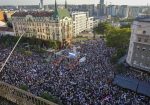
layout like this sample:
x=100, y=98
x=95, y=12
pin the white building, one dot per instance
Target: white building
x=134, y=11
x=96, y=22
x=81, y=22
x=139, y=49
x=90, y=23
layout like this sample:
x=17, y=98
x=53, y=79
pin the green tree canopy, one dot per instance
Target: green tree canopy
x=103, y=28
x=118, y=38
x=24, y=87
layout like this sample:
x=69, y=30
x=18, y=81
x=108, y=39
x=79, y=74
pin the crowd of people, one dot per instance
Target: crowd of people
x=73, y=82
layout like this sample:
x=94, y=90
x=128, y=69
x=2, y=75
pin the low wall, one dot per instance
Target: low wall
x=21, y=97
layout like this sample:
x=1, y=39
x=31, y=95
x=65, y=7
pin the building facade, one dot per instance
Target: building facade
x=112, y=10
x=81, y=22
x=1, y=16
x=123, y=11
x=54, y=25
x=139, y=49
x=90, y=23
x=134, y=11
x=84, y=8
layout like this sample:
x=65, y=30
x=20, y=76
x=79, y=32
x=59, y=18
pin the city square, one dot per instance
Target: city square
x=74, y=52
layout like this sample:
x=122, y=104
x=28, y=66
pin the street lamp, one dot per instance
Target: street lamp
x=3, y=65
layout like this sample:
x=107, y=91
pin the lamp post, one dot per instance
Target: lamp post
x=3, y=65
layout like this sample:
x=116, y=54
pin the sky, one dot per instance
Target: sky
x=36, y=2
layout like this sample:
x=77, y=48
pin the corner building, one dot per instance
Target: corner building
x=55, y=25
x=139, y=49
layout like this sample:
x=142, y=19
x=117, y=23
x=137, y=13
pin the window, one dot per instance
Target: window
x=139, y=39
x=138, y=47
x=146, y=40
x=142, y=57
x=144, y=49
x=144, y=32
x=135, y=62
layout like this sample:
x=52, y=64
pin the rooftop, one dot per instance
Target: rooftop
x=34, y=14
x=61, y=13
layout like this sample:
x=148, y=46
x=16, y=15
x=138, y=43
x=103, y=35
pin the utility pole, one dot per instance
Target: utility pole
x=3, y=65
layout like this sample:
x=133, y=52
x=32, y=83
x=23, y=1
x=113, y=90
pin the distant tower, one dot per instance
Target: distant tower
x=41, y=4
x=102, y=8
x=101, y=1
x=66, y=6
x=56, y=11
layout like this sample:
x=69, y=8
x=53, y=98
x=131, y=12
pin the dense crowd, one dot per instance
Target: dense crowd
x=74, y=83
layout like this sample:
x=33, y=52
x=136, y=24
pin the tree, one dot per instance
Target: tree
x=103, y=28
x=24, y=87
x=119, y=39
x=126, y=26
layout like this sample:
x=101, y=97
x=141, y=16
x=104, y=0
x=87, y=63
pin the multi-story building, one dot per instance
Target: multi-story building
x=90, y=23
x=134, y=11
x=1, y=16
x=81, y=22
x=102, y=8
x=139, y=49
x=84, y=8
x=54, y=25
x=112, y=10
x=123, y=11
x=41, y=4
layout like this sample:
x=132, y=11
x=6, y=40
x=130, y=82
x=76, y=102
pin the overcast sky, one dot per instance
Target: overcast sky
x=117, y=2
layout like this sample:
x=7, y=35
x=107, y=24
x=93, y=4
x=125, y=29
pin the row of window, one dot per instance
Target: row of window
x=41, y=36
x=35, y=24
x=143, y=40
x=34, y=19
x=143, y=48
x=41, y=24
